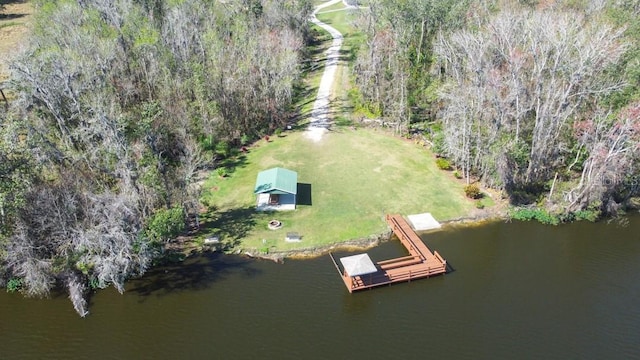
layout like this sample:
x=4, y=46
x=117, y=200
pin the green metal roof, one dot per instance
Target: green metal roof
x=277, y=181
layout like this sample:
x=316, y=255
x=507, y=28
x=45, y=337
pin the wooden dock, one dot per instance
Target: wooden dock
x=420, y=263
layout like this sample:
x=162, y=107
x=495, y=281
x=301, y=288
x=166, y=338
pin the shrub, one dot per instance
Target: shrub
x=14, y=284
x=438, y=142
x=589, y=215
x=207, y=143
x=221, y=171
x=472, y=191
x=457, y=174
x=244, y=139
x=223, y=149
x=165, y=224
x=278, y=132
x=342, y=121
x=479, y=205
x=94, y=283
x=443, y=164
x=84, y=267
x=540, y=215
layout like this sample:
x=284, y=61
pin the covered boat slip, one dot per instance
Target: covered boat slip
x=359, y=272
x=355, y=267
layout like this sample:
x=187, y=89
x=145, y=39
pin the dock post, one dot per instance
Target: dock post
x=335, y=263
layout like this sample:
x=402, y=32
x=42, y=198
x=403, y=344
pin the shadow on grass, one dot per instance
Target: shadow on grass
x=233, y=162
x=303, y=196
x=194, y=273
x=299, y=120
x=11, y=17
x=230, y=226
x=346, y=55
x=304, y=95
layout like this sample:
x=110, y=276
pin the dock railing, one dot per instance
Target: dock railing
x=420, y=263
x=336, y=264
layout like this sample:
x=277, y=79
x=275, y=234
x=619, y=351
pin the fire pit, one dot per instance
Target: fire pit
x=274, y=224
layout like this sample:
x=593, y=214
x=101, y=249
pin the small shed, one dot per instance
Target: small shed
x=276, y=189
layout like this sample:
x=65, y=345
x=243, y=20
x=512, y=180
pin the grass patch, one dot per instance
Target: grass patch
x=340, y=20
x=356, y=177
x=344, y=21
x=9, y=24
x=485, y=202
x=334, y=7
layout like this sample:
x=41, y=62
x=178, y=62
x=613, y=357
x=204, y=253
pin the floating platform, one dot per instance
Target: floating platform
x=359, y=272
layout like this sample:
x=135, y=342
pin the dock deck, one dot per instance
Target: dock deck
x=420, y=263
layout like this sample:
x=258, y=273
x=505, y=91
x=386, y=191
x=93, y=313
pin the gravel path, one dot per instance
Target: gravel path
x=319, y=122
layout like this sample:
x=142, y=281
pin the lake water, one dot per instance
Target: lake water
x=516, y=291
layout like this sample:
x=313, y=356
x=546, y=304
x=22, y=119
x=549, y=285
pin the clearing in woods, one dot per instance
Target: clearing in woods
x=15, y=24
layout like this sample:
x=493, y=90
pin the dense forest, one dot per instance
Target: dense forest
x=118, y=105
x=539, y=99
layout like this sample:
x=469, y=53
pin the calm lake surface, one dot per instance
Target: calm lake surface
x=517, y=291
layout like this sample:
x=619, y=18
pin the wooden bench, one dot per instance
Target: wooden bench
x=390, y=261
x=293, y=237
x=400, y=264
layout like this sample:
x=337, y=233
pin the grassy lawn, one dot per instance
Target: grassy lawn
x=15, y=19
x=344, y=22
x=337, y=6
x=356, y=176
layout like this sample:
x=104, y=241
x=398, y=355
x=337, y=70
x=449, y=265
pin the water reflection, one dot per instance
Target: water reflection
x=197, y=273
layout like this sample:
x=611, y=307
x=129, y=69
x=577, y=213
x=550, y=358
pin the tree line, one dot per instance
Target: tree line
x=540, y=99
x=118, y=105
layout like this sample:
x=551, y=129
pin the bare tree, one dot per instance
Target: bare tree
x=520, y=80
x=613, y=145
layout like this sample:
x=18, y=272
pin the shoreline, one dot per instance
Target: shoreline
x=486, y=217
x=365, y=243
